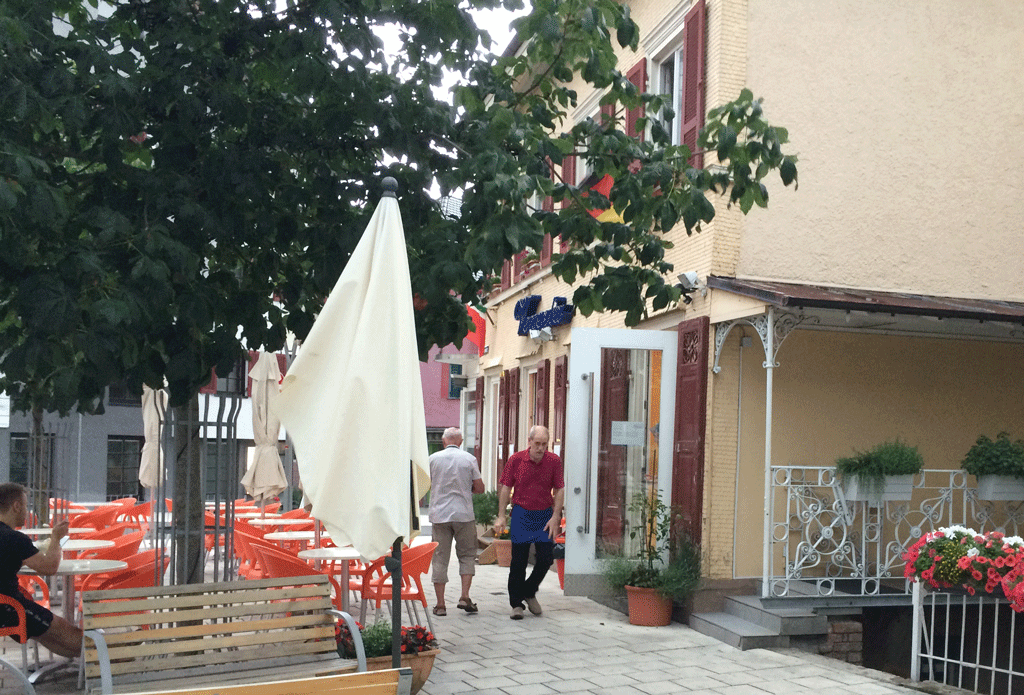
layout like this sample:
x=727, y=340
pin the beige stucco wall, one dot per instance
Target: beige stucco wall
x=906, y=117
x=835, y=393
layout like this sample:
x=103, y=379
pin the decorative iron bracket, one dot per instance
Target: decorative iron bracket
x=780, y=326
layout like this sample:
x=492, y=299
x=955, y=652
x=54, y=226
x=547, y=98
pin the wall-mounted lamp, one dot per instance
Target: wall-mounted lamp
x=689, y=282
x=542, y=335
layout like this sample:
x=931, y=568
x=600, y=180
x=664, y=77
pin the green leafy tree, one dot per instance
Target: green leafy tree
x=182, y=178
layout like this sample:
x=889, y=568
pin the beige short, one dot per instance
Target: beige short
x=464, y=534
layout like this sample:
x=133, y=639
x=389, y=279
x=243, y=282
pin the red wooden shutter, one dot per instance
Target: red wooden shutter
x=540, y=406
x=506, y=275
x=545, y=250
x=560, y=388
x=691, y=419
x=502, y=422
x=569, y=177
x=607, y=114
x=513, y=410
x=478, y=437
x=638, y=76
x=692, y=118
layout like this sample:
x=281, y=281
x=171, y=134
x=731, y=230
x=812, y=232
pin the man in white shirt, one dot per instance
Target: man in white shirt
x=454, y=478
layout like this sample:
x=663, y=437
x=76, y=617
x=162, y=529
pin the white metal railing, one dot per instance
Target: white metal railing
x=819, y=539
x=970, y=642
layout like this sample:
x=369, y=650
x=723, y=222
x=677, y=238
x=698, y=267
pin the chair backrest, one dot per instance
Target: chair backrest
x=125, y=501
x=124, y=546
x=110, y=533
x=416, y=563
x=19, y=631
x=98, y=518
x=131, y=578
x=278, y=563
x=299, y=513
x=36, y=588
x=139, y=515
x=245, y=527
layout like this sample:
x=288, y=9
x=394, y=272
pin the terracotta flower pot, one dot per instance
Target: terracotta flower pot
x=648, y=607
x=421, y=665
x=503, y=546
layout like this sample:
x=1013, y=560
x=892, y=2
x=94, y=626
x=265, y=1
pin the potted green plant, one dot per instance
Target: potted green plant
x=418, y=645
x=999, y=467
x=882, y=474
x=661, y=571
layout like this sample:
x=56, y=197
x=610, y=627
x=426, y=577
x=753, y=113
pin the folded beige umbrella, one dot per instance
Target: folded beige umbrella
x=265, y=478
x=154, y=403
x=352, y=400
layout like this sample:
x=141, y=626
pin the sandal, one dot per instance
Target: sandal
x=467, y=605
x=440, y=610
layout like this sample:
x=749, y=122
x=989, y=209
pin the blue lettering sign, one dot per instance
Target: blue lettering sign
x=525, y=312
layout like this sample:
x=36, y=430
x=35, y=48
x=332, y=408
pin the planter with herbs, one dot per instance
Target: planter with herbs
x=659, y=574
x=999, y=467
x=882, y=474
x=417, y=644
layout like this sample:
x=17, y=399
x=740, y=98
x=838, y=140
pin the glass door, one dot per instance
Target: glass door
x=618, y=443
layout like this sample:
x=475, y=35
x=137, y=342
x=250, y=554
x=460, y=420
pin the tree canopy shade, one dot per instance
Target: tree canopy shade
x=184, y=177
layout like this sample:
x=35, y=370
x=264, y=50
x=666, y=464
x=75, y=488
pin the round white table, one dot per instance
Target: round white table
x=292, y=536
x=79, y=544
x=280, y=522
x=46, y=531
x=344, y=553
x=255, y=515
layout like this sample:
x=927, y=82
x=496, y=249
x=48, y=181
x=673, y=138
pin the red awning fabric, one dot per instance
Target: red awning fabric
x=479, y=336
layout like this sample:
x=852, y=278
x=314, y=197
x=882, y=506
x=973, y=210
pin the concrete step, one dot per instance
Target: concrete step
x=781, y=621
x=737, y=632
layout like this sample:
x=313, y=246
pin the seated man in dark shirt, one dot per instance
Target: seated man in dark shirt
x=53, y=632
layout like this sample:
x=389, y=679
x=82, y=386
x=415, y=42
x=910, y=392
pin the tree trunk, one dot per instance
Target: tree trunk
x=189, y=526
x=40, y=474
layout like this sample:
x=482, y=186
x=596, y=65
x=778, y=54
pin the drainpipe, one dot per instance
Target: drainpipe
x=769, y=365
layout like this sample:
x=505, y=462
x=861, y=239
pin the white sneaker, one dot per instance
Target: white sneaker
x=517, y=613
x=534, y=606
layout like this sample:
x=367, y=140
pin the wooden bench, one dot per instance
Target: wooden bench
x=266, y=636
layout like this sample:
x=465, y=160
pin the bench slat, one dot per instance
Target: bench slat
x=369, y=683
x=198, y=653
x=115, y=639
x=208, y=590
x=116, y=600
x=138, y=619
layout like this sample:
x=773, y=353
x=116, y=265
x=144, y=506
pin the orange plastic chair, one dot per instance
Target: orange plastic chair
x=138, y=516
x=123, y=548
x=125, y=501
x=376, y=583
x=280, y=564
x=98, y=518
x=108, y=534
x=19, y=632
x=295, y=514
x=36, y=588
x=144, y=575
x=253, y=568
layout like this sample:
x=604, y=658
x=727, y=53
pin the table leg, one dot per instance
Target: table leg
x=344, y=585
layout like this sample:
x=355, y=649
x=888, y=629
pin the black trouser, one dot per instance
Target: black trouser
x=519, y=586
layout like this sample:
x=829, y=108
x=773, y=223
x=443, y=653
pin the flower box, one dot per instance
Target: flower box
x=1000, y=488
x=891, y=488
x=421, y=663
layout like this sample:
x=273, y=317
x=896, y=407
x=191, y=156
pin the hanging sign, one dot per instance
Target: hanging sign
x=525, y=312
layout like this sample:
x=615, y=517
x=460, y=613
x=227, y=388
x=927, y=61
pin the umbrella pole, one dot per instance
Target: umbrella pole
x=394, y=565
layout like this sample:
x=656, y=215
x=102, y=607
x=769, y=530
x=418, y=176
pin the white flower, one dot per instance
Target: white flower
x=971, y=552
x=1013, y=540
x=949, y=531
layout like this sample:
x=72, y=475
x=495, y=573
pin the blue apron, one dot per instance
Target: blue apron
x=528, y=525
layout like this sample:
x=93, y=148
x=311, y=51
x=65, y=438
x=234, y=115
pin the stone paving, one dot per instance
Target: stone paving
x=582, y=647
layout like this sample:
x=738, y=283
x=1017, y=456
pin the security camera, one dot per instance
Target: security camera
x=689, y=280
x=541, y=335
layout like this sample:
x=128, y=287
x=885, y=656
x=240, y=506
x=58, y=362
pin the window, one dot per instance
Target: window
x=677, y=68
x=455, y=381
x=118, y=394
x=19, y=459
x=124, y=454
x=21, y=470
x=434, y=443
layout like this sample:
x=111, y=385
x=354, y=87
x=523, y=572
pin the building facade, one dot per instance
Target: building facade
x=884, y=299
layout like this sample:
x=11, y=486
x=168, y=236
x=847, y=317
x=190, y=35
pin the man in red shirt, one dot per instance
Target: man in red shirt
x=534, y=482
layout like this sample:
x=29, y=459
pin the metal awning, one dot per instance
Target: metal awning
x=873, y=310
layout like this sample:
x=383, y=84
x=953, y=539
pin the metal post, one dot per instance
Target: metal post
x=769, y=365
x=915, y=638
